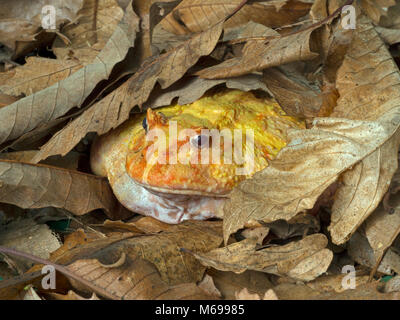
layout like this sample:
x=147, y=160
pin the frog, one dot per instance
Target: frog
x=181, y=162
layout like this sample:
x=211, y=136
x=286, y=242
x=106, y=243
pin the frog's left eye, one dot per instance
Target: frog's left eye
x=144, y=124
x=200, y=140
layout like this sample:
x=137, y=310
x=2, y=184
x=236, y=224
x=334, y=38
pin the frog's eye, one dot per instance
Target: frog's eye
x=144, y=124
x=200, y=141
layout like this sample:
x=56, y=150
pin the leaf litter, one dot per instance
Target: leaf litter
x=283, y=235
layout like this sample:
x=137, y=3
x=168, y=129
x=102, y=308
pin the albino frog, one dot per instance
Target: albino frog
x=181, y=161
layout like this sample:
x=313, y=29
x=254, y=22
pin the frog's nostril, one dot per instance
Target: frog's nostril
x=200, y=141
x=144, y=124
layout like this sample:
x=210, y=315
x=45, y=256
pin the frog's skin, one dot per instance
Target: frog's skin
x=173, y=192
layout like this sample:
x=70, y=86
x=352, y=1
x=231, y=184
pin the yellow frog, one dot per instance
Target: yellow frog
x=180, y=162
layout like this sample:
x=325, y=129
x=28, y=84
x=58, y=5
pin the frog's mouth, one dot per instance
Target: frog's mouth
x=184, y=193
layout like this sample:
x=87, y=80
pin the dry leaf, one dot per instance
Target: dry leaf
x=189, y=90
x=375, y=9
x=51, y=103
x=261, y=54
x=38, y=186
x=298, y=96
x=314, y=158
x=162, y=249
x=71, y=295
x=303, y=260
x=228, y=283
x=365, y=184
x=207, y=284
x=137, y=279
x=37, y=74
x=383, y=226
x=28, y=236
x=96, y=22
x=368, y=291
x=21, y=20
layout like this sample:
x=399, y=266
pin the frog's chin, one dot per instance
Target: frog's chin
x=177, y=194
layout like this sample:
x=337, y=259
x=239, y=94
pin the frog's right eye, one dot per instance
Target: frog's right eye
x=200, y=141
x=144, y=124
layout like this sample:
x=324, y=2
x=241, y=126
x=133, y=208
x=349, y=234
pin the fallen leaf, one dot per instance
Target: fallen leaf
x=364, y=185
x=88, y=35
x=375, y=9
x=189, y=90
x=332, y=146
x=20, y=21
x=303, y=260
x=53, y=102
x=298, y=96
x=197, y=16
x=162, y=249
x=38, y=186
x=137, y=279
x=228, y=283
x=28, y=236
x=37, y=74
x=207, y=284
x=261, y=54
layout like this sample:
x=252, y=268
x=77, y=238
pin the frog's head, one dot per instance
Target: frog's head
x=173, y=153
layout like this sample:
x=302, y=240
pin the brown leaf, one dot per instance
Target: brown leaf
x=207, y=284
x=228, y=283
x=372, y=96
x=314, y=158
x=38, y=186
x=37, y=74
x=162, y=249
x=297, y=96
x=302, y=170
x=137, y=279
x=385, y=262
x=6, y=99
x=20, y=21
x=383, y=225
x=47, y=105
x=368, y=291
x=114, y=109
x=96, y=22
x=261, y=54
x=303, y=260
x=390, y=36
x=244, y=294
x=28, y=236
x=196, y=16
x=189, y=90
x=375, y=9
